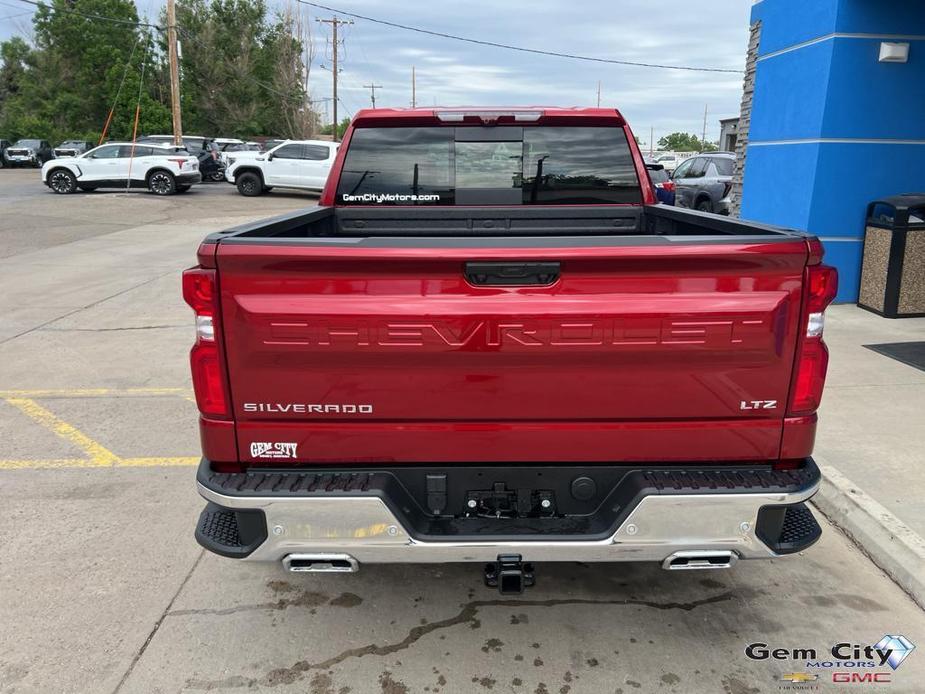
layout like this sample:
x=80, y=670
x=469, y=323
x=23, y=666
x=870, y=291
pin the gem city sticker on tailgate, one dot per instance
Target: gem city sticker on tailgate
x=265, y=449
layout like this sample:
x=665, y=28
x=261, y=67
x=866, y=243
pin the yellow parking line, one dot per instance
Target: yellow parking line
x=93, y=392
x=61, y=463
x=154, y=462
x=45, y=464
x=98, y=454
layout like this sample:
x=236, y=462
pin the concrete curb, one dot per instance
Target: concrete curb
x=889, y=542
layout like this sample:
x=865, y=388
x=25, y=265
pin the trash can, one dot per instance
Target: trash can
x=893, y=267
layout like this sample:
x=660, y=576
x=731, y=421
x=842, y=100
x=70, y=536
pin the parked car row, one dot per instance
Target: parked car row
x=702, y=182
x=156, y=163
x=35, y=152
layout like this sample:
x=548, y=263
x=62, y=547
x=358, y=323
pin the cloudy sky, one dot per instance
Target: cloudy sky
x=677, y=32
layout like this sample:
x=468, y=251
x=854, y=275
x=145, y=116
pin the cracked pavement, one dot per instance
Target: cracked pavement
x=104, y=589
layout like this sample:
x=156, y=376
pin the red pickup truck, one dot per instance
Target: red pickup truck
x=488, y=343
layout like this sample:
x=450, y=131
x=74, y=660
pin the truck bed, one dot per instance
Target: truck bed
x=645, y=224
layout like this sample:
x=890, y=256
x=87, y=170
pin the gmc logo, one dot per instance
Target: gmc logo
x=522, y=334
x=861, y=677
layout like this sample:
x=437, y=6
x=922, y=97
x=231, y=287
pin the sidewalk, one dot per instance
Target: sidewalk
x=872, y=420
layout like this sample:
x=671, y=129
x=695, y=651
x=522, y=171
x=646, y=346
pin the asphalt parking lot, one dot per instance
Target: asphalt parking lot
x=104, y=589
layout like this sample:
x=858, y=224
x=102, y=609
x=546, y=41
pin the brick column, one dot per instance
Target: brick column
x=745, y=117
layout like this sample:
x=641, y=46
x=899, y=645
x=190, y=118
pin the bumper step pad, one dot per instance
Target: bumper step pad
x=788, y=529
x=220, y=526
x=230, y=533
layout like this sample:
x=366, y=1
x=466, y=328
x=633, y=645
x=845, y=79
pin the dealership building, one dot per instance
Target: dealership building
x=833, y=117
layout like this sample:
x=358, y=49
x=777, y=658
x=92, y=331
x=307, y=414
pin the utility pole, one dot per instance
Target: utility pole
x=174, y=72
x=598, y=93
x=372, y=92
x=651, y=140
x=334, y=22
x=414, y=88
x=703, y=139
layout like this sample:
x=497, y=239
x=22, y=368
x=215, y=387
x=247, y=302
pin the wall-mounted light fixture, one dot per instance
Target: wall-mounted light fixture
x=894, y=52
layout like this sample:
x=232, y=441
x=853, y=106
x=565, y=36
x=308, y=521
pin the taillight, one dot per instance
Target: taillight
x=727, y=188
x=669, y=186
x=820, y=286
x=200, y=292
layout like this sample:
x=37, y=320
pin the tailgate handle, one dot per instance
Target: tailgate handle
x=512, y=274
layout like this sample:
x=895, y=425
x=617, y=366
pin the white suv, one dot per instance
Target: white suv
x=162, y=169
x=291, y=164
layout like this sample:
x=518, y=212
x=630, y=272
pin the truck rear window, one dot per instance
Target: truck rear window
x=501, y=165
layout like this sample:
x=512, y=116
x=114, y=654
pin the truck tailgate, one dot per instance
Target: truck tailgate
x=668, y=350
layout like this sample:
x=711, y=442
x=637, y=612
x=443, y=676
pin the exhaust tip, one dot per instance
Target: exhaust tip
x=321, y=563
x=697, y=559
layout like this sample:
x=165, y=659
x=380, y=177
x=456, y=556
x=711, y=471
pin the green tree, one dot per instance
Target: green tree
x=72, y=75
x=685, y=142
x=242, y=72
x=14, y=56
x=328, y=129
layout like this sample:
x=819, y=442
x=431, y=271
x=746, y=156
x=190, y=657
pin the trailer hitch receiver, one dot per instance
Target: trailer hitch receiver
x=509, y=574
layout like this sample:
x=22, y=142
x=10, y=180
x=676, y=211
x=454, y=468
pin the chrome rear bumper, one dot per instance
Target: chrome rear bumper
x=659, y=527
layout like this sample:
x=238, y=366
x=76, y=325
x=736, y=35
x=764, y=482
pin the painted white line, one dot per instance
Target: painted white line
x=841, y=35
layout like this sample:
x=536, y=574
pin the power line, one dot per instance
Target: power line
x=86, y=15
x=509, y=47
x=349, y=112
x=18, y=14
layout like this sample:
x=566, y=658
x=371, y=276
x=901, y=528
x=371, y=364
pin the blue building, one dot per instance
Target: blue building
x=837, y=117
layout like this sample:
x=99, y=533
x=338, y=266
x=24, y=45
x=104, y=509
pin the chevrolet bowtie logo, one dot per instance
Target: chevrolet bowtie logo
x=799, y=677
